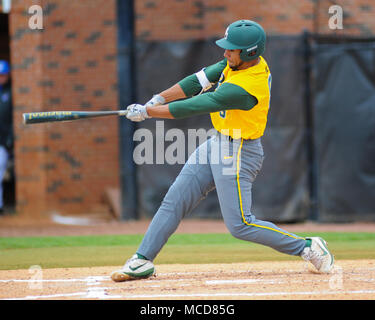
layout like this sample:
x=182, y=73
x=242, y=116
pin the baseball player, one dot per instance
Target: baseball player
x=238, y=108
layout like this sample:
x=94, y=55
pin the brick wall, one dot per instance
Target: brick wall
x=185, y=19
x=69, y=65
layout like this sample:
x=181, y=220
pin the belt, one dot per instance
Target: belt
x=231, y=139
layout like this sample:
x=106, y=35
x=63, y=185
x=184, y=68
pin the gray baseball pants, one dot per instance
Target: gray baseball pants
x=231, y=167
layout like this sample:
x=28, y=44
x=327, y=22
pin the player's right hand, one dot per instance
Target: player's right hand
x=137, y=112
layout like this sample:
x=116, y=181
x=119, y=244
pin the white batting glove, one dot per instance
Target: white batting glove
x=137, y=112
x=156, y=100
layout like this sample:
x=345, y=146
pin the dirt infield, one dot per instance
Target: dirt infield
x=257, y=280
x=354, y=279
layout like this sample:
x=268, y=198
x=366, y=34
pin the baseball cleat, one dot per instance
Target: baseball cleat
x=134, y=268
x=319, y=255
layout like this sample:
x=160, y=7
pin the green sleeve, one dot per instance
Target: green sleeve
x=228, y=96
x=191, y=86
x=214, y=71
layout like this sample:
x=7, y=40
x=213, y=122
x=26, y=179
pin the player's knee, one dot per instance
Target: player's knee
x=238, y=231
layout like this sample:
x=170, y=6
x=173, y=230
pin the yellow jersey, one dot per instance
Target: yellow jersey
x=246, y=124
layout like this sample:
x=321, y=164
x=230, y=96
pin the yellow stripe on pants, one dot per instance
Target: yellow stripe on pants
x=240, y=200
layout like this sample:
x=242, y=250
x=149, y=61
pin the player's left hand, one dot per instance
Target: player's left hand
x=156, y=100
x=137, y=112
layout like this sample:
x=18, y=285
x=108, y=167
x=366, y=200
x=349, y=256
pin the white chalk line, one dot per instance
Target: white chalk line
x=94, y=294
x=87, y=279
x=248, y=294
x=101, y=294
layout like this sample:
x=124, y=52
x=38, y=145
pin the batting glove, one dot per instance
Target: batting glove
x=137, y=112
x=156, y=100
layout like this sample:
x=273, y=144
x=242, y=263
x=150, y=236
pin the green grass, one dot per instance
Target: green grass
x=112, y=250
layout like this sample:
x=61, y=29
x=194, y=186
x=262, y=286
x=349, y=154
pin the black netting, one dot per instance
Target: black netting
x=344, y=113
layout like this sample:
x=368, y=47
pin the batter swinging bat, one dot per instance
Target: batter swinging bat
x=51, y=116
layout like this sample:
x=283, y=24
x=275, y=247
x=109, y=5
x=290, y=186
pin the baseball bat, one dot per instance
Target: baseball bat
x=52, y=116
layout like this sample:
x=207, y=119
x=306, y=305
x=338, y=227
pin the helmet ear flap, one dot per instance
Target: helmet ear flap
x=248, y=54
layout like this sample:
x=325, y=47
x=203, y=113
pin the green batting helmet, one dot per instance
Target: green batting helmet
x=246, y=35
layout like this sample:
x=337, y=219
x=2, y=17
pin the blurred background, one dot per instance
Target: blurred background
x=105, y=54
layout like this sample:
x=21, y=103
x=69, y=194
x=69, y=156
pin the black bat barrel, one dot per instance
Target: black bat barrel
x=52, y=116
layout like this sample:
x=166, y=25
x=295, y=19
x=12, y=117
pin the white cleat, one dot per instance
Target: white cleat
x=134, y=268
x=319, y=255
